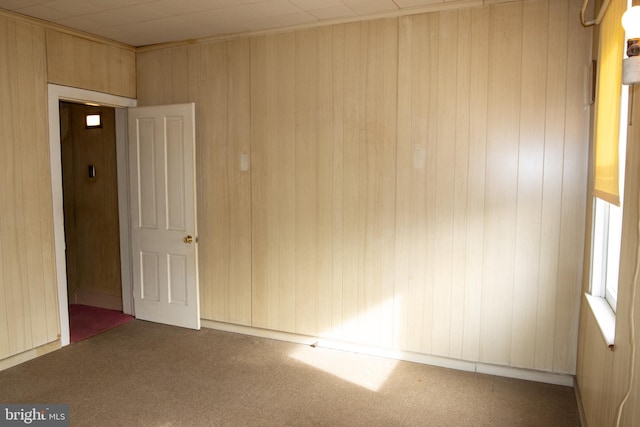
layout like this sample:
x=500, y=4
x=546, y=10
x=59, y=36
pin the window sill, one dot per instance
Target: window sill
x=605, y=318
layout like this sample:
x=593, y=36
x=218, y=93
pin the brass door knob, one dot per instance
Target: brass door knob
x=188, y=239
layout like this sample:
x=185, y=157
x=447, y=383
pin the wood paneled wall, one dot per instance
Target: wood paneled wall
x=492, y=156
x=604, y=376
x=87, y=64
x=416, y=183
x=31, y=56
x=28, y=296
x=323, y=182
x=216, y=77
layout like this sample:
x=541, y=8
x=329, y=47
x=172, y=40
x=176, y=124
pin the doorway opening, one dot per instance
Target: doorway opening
x=91, y=223
x=56, y=94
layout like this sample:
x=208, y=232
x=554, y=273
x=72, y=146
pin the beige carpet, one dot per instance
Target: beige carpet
x=145, y=374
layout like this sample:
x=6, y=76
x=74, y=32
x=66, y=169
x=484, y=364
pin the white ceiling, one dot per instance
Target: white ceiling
x=144, y=22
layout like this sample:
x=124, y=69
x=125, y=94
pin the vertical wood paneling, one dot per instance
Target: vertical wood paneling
x=427, y=197
x=148, y=87
x=629, y=302
x=476, y=212
x=503, y=116
x=6, y=208
x=219, y=84
x=41, y=127
x=222, y=186
x=386, y=197
x=477, y=176
x=408, y=186
x=26, y=278
x=30, y=68
x=530, y=173
x=595, y=384
x=416, y=166
x=574, y=192
x=299, y=221
x=27, y=283
x=615, y=372
x=14, y=273
x=77, y=62
x=552, y=188
x=260, y=51
x=326, y=118
x=353, y=197
x=338, y=87
x=216, y=77
x=314, y=180
x=121, y=72
x=310, y=169
x=274, y=185
x=369, y=196
x=239, y=213
x=461, y=183
x=413, y=182
x=604, y=376
x=628, y=311
x=445, y=148
x=403, y=333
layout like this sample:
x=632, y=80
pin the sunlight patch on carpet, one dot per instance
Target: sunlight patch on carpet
x=365, y=371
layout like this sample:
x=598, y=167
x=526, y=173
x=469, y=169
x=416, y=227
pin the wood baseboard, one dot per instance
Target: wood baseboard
x=581, y=413
x=96, y=299
x=25, y=356
x=444, y=362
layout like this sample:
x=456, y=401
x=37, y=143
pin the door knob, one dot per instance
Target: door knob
x=188, y=239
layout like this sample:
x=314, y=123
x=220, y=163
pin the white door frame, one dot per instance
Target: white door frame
x=57, y=93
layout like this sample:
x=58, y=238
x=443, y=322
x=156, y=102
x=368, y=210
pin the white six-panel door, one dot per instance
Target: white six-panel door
x=163, y=221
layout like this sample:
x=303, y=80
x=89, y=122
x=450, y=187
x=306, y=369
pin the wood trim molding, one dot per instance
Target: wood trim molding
x=96, y=299
x=25, y=356
x=443, y=362
x=580, y=403
x=55, y=94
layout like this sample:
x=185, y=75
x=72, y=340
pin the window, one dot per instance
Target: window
x=607, y=228
x=610, y=140
x=606, y=251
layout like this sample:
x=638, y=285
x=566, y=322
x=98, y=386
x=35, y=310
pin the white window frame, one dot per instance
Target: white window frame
x=607, y=227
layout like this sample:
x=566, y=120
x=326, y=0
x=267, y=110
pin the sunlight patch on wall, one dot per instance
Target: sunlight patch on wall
x=371, y=326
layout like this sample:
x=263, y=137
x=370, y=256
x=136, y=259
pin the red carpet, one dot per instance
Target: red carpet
x=86, y=321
